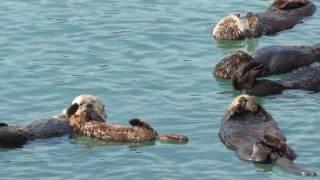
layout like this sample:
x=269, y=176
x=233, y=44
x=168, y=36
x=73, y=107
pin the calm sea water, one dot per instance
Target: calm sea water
x=145, y=58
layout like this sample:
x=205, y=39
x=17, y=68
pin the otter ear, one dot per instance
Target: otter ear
x=72, y=109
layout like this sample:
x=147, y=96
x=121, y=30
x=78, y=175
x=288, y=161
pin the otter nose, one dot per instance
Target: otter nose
x=89, y=106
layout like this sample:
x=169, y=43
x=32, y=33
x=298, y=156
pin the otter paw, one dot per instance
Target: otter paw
x=139, y=123
x=72, y=109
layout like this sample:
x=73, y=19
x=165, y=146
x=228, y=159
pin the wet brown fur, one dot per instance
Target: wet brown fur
x=81, y=121
x=228, y=66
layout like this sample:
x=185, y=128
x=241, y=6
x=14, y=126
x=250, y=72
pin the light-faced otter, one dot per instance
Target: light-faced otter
x=14, y=136
x=304, y=78
x=281, y=15
x=274, y=60
x=251, y=132
x=82, y=119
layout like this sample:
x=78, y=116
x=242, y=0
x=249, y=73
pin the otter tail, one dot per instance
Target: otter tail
x=292, y=167
x=173, y=139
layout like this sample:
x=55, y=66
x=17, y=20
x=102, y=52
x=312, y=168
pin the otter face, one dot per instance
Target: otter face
x=229, y=28
x=230, y=65
x=85, y=108
x=96, y=103
x=245, y=103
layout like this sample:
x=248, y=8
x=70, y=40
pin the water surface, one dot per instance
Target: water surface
x=151, y=59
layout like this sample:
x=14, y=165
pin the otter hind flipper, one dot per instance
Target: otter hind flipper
x=72, y=109
x=290, y=4
x=292, y=167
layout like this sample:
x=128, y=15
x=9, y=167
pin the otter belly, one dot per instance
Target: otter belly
x=283, y=59
x=243, y=134
x=305, y=78
x=13, y=136
x=48, y=128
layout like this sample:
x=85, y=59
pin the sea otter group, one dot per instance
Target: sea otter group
x=245, y=128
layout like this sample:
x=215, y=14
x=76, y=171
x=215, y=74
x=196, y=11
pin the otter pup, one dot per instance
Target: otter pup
x=274, y=59
x=12, y=136
x=82, y=119
x=281, y=15
x=251, y=132
x=304, y=78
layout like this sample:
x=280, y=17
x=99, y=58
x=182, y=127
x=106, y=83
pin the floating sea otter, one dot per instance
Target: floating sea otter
x=304, y=78
x=274, y=60
x=281, y=15
x=252, y=133
x=84, y=120
x=14, y=136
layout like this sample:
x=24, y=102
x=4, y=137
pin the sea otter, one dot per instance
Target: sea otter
x=82, y=119
x=281, y=15
x=304, y=78
x=274, y=60
x=251, y=132
x=14, y=136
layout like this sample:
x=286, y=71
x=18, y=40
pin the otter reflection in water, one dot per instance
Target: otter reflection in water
x=252, y=133
x=281, y=15
x=304, y=78
x=273, y=59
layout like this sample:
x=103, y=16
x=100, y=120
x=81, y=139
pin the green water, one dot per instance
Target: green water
x=144, y=58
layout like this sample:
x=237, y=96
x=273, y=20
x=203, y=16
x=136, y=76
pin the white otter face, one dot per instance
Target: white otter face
x=86, y=99
x=245, y=102
x=229, y=28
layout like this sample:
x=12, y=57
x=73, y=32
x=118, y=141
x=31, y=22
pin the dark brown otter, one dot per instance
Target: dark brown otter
x=83, y=122
x=251, y=132
x=274, y=60
x=281, y=15
x=304, y=78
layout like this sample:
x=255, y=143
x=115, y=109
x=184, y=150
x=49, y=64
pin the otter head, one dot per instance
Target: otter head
x=229, y=28
x=230, y=65
x=245, y=103
x=88, y=99
x=85, y=108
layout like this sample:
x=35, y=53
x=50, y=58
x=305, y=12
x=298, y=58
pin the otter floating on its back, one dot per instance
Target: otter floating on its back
x=251, y=132
x=273, y=59
x=82, y=119
x=281, y=15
